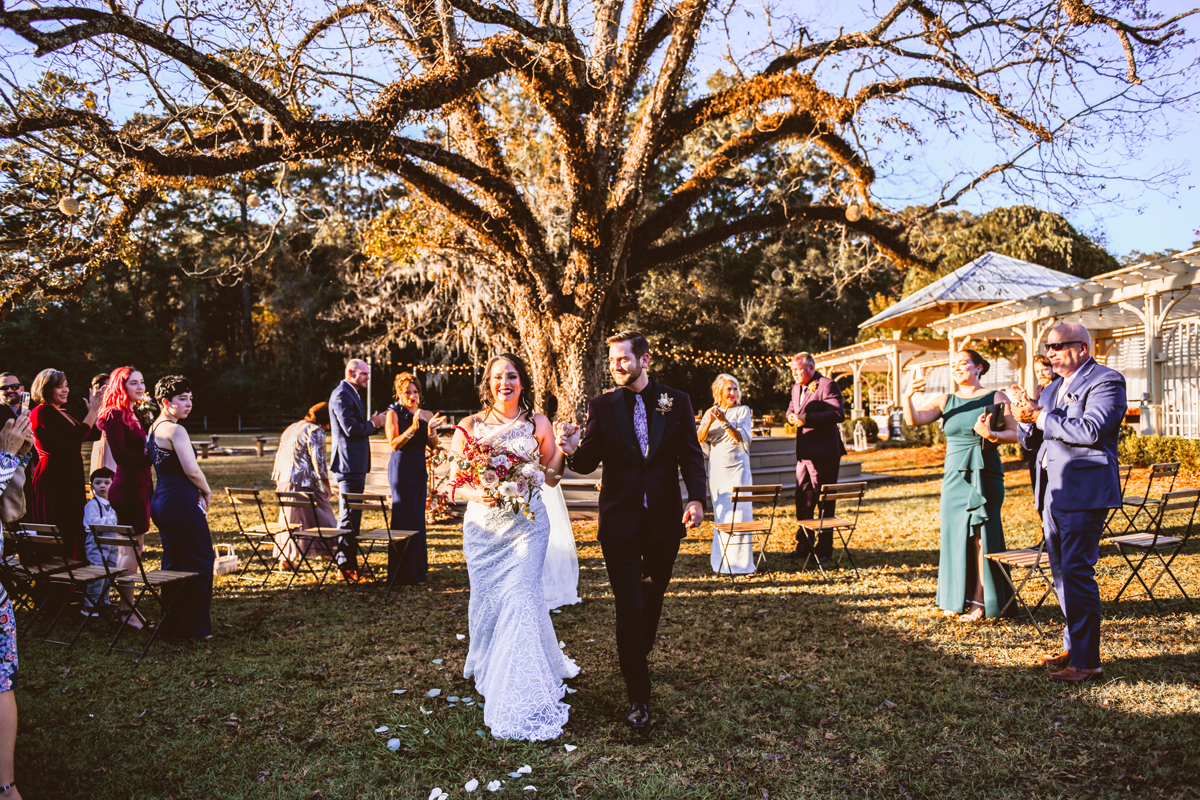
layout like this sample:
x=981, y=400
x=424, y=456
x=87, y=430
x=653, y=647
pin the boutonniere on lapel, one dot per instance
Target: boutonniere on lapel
x=1069, y=398
x=812, y=387
x=665, y=401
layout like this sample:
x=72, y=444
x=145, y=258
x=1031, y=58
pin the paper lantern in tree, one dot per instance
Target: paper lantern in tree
x=69, y=206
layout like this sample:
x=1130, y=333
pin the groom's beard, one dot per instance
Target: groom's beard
x=623, y=379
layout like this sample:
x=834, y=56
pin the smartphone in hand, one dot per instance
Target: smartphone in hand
x=24, y=402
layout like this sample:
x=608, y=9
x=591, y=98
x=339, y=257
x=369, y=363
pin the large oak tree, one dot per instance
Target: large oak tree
x=408, y=88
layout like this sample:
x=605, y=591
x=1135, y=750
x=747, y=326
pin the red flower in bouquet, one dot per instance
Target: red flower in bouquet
x=512, y=477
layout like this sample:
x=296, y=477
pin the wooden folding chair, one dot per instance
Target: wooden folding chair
x=844, y=526
x=386, y=534
x=1133, y=506
x=757, y=532
x=259, y=535
x=1123, y=473
x=331, y=536
x=1029, y=562
x=42, y=559
x=1180, y=507
x=16, y=579
x=143, y=582
x=60, y=571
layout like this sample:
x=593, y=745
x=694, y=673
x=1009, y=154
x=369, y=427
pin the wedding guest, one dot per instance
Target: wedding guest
x=351, y=462
x=57, y=480
x=16, y=435
x=98, y=511
x=724, y=433
x=1044, y=374
x=410, y=429
x=972, y=488
x=300, y=467
x=179, y=509
x=816, y=410
x=10, y=396
x=101, y=457
x=132, y=486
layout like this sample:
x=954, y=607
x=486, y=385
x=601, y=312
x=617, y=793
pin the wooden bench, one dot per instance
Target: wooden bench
x=260, y=445
x=202, y=448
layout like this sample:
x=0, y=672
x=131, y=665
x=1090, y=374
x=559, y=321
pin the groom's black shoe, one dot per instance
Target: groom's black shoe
x=639, y=717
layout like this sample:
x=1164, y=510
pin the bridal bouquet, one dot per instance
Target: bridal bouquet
x=513, y=477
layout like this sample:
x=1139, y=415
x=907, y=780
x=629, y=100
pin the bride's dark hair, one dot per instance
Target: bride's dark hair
x=525, y=401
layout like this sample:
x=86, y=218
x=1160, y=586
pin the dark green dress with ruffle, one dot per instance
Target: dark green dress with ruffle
x=972, y=494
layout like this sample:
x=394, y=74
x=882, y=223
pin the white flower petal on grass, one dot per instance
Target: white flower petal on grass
x=393, y=744
x=436, y=661
x=514, y=774
x=570, y=748
x=529, y=789
x=571, y=691
x=382, y=729
x=459, y=636
x=424, y=710
x=399, y=691
x=525, y=770
x=452, y=699
x=555, y=611
x=471, y=785
x=494, y=786
x=561, y=644
x=426, y=731
x=437, y=790
x=433, y=692
x=479, y=733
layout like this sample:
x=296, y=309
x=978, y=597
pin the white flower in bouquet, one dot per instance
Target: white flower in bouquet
x=508, y=489
x=490, y=478
x=538, y=478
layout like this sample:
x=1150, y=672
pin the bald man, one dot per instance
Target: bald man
x=1076, y=421
x=351, y=429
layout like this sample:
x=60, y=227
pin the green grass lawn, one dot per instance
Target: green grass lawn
x=791, y=687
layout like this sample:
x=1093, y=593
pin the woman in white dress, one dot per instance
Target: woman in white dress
x=725, y=431
x=514, y=654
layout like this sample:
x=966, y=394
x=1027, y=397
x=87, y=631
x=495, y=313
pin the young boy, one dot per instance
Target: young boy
x=98, y=512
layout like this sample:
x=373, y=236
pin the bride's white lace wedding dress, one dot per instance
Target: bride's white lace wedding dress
x=514, y=653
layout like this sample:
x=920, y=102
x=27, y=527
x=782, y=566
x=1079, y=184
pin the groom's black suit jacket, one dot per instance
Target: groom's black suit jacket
x=609, y=438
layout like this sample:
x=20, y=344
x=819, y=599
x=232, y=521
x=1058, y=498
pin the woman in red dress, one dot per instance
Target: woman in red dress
x=132, y=486
x=58, y=478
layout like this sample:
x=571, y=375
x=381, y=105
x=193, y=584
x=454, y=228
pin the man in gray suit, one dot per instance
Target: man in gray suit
x=1076, y=420
x=351, y=429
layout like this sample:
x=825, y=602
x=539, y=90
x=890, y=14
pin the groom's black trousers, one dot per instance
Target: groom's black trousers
x=639, y=571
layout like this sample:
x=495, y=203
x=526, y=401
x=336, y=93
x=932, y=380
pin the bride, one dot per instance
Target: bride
x=514, y=653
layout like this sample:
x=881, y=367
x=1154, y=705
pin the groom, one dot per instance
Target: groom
x=645, y=435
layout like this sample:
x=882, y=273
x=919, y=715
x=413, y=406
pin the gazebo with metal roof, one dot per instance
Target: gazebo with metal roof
x=1146, y=315
x=989, y=279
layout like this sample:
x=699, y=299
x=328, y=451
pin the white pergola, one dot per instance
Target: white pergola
x=1157, y=302
x=890, y=356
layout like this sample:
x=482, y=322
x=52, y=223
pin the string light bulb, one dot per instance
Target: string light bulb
x=253, y=201
x=69, y=206
x=853, y=212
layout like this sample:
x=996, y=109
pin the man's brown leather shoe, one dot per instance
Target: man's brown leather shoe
x=1071, y=674
x=1057, y=662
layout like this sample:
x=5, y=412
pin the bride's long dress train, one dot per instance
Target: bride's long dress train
x=514, y=654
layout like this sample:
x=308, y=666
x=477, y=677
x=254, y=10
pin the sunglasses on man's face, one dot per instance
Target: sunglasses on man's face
x=11, y=387
x=1056, y=346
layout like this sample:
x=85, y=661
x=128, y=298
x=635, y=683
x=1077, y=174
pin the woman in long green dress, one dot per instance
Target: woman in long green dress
x=972, y=488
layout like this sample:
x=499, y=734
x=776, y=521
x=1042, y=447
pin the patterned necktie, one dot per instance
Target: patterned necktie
x=639, y=424
x=643, y=435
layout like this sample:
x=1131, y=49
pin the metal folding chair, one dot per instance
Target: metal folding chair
x=827, y=520
x=69, y=574
x=1133, y=506
x=1030, y=562
x=757, y=532
x=259, y=535
x=385, y=535
x=331, y=536
x=1180, y=509
x=1123, y=473
x=143, y=582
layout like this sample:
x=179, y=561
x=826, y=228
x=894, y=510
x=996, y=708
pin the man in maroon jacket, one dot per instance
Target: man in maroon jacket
x=645, y=435
x=816, y=410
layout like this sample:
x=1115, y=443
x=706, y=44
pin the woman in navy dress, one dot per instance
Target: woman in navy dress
x=179, y=509
x=409, y=429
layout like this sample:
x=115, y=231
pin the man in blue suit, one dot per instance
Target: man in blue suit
x=351, y=429
x=1076, y=420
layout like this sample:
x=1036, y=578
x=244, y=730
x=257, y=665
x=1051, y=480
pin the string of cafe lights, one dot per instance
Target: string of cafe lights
x=677, y=353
